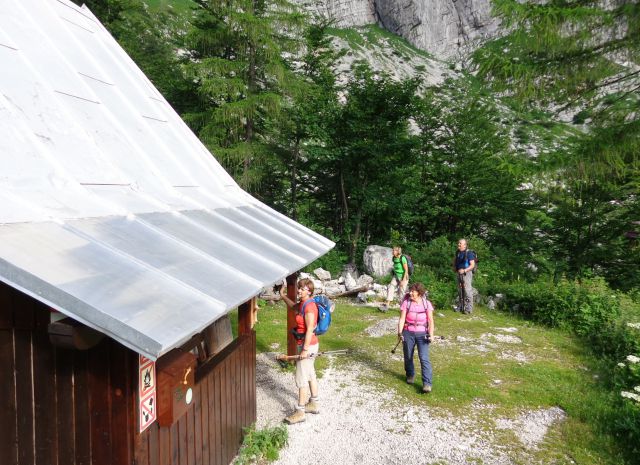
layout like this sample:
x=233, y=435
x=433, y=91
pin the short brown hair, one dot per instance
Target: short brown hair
x=306, y=282
x=419, y=288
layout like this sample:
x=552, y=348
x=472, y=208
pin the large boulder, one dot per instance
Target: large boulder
x=378, y=260
x=334, y=289
x=364, y=280
x=324, y=275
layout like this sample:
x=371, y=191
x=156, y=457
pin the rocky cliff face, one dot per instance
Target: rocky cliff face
x=446, y=28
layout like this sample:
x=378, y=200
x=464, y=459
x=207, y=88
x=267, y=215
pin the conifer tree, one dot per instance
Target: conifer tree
x=580, y=57
x=238, y=48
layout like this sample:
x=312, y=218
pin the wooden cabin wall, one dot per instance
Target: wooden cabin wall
x=224, y=402
x=70, y=407
x=60, y=406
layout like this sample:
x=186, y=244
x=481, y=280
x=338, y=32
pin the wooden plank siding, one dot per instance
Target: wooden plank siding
x=71, y=407
x=211, y=431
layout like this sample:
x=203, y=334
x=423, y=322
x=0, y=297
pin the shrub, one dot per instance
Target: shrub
x=259, y=446
x=587, y=308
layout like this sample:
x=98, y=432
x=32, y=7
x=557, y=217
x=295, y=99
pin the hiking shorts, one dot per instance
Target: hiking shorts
x=305, y=369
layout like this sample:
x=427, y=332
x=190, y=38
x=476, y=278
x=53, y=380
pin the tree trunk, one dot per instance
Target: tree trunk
x=355, y=237
x=343, y=197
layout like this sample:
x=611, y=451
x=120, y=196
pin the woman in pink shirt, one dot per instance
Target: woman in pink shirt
x=415, y=328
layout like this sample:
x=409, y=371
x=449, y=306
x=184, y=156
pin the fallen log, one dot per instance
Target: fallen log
x=351, y=292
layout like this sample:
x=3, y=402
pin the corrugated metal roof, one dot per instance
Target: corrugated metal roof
x=111, y=210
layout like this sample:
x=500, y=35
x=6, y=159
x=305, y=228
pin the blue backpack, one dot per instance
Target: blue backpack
x=325, y=307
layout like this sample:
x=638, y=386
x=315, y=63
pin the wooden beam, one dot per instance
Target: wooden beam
x=292, y=293
x=244, y=318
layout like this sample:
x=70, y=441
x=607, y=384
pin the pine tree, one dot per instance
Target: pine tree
x=238, y=50
x=581, y=57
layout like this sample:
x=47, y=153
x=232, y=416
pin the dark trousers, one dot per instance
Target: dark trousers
x=411, y=340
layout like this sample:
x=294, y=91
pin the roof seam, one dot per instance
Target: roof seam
x=141, y=263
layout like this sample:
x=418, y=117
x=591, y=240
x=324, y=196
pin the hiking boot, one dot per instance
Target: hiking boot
x=426, y=389
x=295, y=417
x=384, y=308
x=311, y=407
x=410, y=379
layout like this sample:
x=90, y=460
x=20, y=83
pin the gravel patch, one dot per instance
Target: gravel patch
x=359, y=423
x=503, y=338
x=531, y=426
x=383, y=328
x=517, y=356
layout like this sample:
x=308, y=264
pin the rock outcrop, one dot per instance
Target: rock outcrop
x=446, y=28
x=378, y=260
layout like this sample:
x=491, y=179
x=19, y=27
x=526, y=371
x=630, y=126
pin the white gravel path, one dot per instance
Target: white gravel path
x=362, y=425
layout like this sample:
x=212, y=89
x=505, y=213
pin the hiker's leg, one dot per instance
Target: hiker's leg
x=407, y=349
x=392, y=289
x=402, y=290
x=313, y=382
x=313, y=387
x=306, y=375
x=303, y=396
x=425, y=363
x=468, y=292
x=301, y=382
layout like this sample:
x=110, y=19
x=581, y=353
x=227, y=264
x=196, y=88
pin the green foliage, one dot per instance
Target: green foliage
x=589, y=308
x=261, y=446
x=467, y=178
x=579, y=57
x=626, y=381
x=333, y=262
x=353, y=168
x=237, y=50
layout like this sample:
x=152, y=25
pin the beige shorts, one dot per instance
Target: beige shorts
x=305, y=369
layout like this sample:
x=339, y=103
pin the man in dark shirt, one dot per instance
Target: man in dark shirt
x=464, y=264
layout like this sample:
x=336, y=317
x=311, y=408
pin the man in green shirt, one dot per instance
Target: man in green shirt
x=400, y=279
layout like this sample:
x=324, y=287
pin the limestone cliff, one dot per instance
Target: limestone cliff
x=446, y=28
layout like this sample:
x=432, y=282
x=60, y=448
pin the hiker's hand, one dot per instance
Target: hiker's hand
x=400, y=338
x=304, y=354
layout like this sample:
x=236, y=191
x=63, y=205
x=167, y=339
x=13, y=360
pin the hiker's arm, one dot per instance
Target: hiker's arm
x=405, y=276
x=472, y=264
x=403, y=315
x=309, y=323
x=285, y=297
x=430, y=323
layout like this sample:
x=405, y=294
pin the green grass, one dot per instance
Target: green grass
x=558, y=371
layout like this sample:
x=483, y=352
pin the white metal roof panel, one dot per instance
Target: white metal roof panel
x=111, y=210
